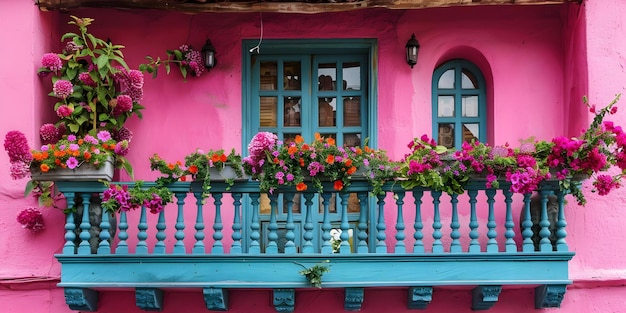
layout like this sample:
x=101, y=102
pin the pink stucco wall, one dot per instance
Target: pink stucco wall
x=539, y=60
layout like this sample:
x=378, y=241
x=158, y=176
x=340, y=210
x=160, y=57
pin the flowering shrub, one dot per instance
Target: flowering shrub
x=122, y=198
x=95, y=87
x=188, y=61
x=31, y=219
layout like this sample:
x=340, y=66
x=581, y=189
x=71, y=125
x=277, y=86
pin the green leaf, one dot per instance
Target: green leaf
x=178, y=54
x=120, y=61
x=30, y=185
x=93, y=40
x=73, y=127
x=71, y=73
x=103, y=117
x=68, y=35
x=183, y=70
x=126, y=166
x=101, y=61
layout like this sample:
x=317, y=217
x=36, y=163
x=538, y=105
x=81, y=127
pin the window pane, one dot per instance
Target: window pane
x=446, y=135
x=268, y=110
x=445, y=106
x=292, y=75
x=289, y=137
x=352, y=76
x=327, y=109
x=352, y=111
x=470, y=132
x=468, y=80
x=292, y=111
x=469, y=105
x=446, y=81
x=352, y=140
x=268, y=75
x=327, y=75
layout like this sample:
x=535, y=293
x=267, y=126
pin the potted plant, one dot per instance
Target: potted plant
x=118, y=198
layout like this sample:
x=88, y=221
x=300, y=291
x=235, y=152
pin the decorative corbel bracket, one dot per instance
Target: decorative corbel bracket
x=81, y=299
x=284, y=300
x=353, y=299
x=216, y=299
x=149, y=299
x=549, y=296
x=420, y=297
x=484, y=297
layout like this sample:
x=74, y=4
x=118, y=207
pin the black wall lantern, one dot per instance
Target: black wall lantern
x=412, y=47
x=208, y=55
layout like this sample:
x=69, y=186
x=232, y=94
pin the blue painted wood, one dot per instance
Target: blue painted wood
x=455, y=245
x=122, y=246
x=381, y=246
x=159, y=246
x=85, y=225
x=561, y=233
x=81, y=299
x=420, y=297
x=484, y=297
x=549, y=296
x=353, y=299
x=400, y=247
x=437, y=245
x=474, y=246
x=344, y=246
x=509, y=233
x=544, y=233
x=149, y=299
x=290, y=236
x=218, y=247
x=418, y=247
x=198, y=246
x=69, y=247
x=179, y=246
x=142, y=235
x=272, y=236
x=308, y=247
x=236, y=246
x=284, y=300
x=105, y=235
x=216, y=299
x=326, y=226
x=527, y=224
x=255, y=247
x=362, y=225
x=492, y=244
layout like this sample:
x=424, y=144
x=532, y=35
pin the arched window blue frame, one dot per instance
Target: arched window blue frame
x=459, y=104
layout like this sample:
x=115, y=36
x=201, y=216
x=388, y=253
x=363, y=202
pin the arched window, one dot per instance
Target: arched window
x=459, y=104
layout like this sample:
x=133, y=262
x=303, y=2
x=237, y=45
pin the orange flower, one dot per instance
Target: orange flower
x=301, y=162
x=44, y=168
x=301, y=187
x=330, y=159
x=81, y=141
x=276, y=161
x=179, y=163
x=59, y=153
x=359, y=151
x=318, y=137
x=57, y=162
x=367, y=149
x=223, y=158
x=330, y=141
x=86, y=155
x=75, y=153
x=299, y=139
x=292, y=150
x=305, y=147
x=215, y=158
x=348, y=162
x=351, y=170
x=338, y=185
x=171, y=166
x=193, y=169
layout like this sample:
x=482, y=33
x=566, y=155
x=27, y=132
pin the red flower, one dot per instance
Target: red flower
x=301, y=187
x=338, y=185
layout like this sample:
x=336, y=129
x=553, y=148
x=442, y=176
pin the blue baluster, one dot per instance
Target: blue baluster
x=69, y=247
x=474, y=246
x=159, y=247
x=198, y=246
x=290, y=246
x=527, y=224
x=255, y=226
x=122, y=246
x=85, y=225
x=236, y=247
x=400, y=247
x=218, y=246
x=437, y=245
x=381, y=246
x=104, y=247
x=326, y=246
x=344, y=246
x=308, y=247
x=362, y=225
x=179, y=246
x=272, y=236
x=509, y=233
x=455, y=245
x=492, y=244
x=142, y=235
x=544, y=233
x=561, y=233
x=418, y=247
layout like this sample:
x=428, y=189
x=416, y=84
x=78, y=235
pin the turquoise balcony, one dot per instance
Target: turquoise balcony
x=237, y=238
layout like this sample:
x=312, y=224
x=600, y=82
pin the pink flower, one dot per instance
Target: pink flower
x=48, y=133
x=52, y=62
x=86, y=79
x=604, y=184
x=125, y=134
x=124, y=104
x=19, y=170
x=121, y=148
x=31, y=219
x=64, y=111
x=104, y=135
x=72, y=163
x=16, y=145
x=63, y=88
x=613, y=110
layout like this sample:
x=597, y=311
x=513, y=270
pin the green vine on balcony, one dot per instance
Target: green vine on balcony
x=314, y=273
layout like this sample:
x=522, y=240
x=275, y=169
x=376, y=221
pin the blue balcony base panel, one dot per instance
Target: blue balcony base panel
x=149, y=275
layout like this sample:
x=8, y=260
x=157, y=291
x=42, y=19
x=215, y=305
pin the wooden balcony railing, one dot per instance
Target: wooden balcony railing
x=239, y=238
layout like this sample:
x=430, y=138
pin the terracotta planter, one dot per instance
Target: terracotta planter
x=84, y=172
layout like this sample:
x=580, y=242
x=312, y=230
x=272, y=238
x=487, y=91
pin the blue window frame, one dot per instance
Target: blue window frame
x=459, y=104
x=300, y=87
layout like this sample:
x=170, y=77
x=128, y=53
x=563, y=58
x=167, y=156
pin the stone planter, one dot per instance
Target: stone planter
x=84, y=172
x=226, y=173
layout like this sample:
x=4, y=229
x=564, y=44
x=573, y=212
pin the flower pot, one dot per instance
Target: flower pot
x=227, y=172
x=84, y=172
